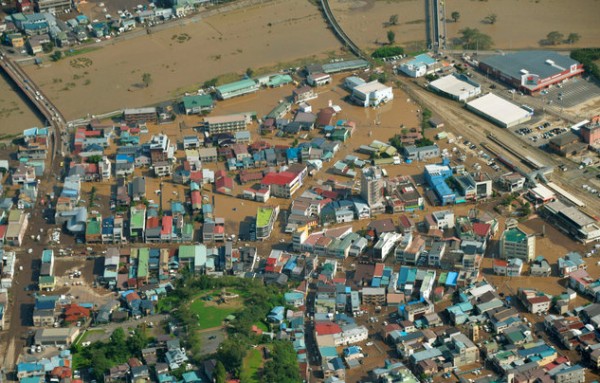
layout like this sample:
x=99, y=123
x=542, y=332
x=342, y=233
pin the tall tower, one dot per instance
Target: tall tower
x=371, y=185
x=474, y=332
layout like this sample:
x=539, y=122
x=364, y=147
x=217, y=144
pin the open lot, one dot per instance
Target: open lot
x=210, y=340
x=221, y=44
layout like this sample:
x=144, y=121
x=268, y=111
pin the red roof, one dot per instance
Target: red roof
x=330, y=194
x=152, y=222
x=540, y=299
x=61, y=372
x=339, y=280
x=74, y=312
x=481, y=229
x=224, y=182
x=378, y=270
x=132, y=297
x=3, y=231
x=196, y=198
x=167, y=225
x=500, y=263
x=283, y=178
x=327, y=328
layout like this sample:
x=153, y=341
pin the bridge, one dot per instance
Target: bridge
x=340, y=32
x=42, y=104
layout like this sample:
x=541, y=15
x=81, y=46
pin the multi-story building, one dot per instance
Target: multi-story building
x=226, y=124
x=265, y=219
x=285, y=184
x=161, y=148
x=140, y=116
x=371, y=188
x=53, y=6
x=515, y=243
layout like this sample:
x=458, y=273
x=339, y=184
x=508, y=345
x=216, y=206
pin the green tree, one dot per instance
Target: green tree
x=94, y=159
x=393, y=20
x=147, y=79
x=137, y=342
x=472, y=38
x=455, y=16
x=491, y=18
x=231, y=353
x=391, y=36
x=249, y=72
x=573, y=38
x=220, y=373
x=56, y=55
x=283, y=367
x=554, y=37
x=101, y=365
x=47, y=47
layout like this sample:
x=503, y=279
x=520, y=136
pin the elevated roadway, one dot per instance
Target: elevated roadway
x=40, y=102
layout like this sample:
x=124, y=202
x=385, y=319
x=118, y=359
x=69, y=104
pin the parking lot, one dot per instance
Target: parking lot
x=572, y=93
x=539, y=132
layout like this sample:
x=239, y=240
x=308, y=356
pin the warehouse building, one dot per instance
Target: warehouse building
x=456, y=86
x=237, y=88
x=531, y=71
x=499, y=111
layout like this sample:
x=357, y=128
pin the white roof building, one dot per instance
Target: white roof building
x=372, y=94
x=499, y=111
x=456, y=86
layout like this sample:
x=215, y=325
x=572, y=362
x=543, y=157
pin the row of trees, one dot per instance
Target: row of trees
x=556, y=37
x=490, y=19
x=588, y=57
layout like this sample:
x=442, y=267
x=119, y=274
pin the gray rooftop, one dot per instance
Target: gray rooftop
x=535, y=62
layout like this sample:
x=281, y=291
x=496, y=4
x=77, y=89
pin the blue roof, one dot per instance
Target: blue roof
x=422, y=59
x=451, y=278
x=328, y=352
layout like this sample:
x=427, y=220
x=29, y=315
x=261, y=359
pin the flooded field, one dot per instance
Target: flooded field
x=182, y=58
x=516, y=27
x=15, y=114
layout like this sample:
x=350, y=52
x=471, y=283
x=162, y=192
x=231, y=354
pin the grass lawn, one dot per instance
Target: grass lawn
x=210, y=315
x=84, y=336
x=261, y=325
x=250, y=366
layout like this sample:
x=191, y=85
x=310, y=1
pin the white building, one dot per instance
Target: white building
x=318, y=79
x=444, y=219
x=499, y=111
x=105, y=168
x=456, y=86
x=372, y=94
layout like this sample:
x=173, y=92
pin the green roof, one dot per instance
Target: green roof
x=263, y=216
x=93, y=226
x=143, y=257
x=188, y=228
x=46, y=280
x=236, y=86
x=137, y=218
x=280, y=79
x=186, y=251
x=203, y=101
x=515, y=235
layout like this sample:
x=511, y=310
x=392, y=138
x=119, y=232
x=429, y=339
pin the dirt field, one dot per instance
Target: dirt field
x=515, y=28
x=183, y=57
x=15, y=114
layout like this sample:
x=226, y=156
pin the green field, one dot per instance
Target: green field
x=210, y=316
x=250, y=366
